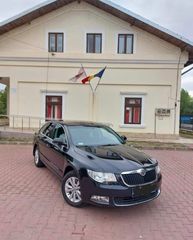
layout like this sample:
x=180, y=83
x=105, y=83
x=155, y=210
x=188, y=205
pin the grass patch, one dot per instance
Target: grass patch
x=186, y=134
x=156, y=145
x=12, y=140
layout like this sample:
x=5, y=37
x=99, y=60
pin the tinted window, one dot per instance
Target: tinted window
x=60, y=133
x=43, y=129
x=49, y=132
x=93, y=136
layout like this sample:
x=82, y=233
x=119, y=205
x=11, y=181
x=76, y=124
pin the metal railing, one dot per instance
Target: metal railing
x=26, y=123
x=23, y=122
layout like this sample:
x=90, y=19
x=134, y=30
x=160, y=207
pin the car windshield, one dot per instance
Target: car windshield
x=93, y=136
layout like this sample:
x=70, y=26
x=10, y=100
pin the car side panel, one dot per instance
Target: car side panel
x=45, y=149
x=58, y=158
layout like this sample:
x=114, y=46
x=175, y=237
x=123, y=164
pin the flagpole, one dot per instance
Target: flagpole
x=93, y=96
x=93, y=106
x=93, y=100
x=88, y=79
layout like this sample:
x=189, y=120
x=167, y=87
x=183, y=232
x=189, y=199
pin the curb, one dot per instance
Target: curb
x=165, y=148
x=138, y=147
x=15, y=143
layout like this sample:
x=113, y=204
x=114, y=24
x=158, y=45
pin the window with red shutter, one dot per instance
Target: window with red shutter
x=132, y=110
x=53, y=107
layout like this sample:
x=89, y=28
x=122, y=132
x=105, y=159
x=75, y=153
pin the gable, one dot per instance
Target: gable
x=75, y=20
x=107, y=6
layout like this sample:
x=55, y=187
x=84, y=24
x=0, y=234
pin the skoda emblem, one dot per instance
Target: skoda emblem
x=142, y=172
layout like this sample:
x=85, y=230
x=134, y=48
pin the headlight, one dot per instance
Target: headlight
x=158, y=170
x=102, y=177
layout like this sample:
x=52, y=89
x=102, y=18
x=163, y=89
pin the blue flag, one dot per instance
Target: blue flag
x=100, y=74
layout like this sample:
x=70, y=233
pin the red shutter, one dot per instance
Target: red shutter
x=136, y=115
x=127, y=113
x=132, y=114
x=54, y=107
x=48, y=108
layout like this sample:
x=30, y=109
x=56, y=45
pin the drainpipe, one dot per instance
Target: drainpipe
x=177, y=86
x=155, y=124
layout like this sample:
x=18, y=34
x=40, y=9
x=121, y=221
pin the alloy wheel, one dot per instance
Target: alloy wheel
x=36, y=157
x=72, y=189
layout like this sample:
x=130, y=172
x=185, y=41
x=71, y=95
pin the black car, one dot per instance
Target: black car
x=96, y=165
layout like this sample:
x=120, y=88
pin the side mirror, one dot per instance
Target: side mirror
x=124, y=138
x=60, y=142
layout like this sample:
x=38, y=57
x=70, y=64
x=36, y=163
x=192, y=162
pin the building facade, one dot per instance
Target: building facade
x=139, y=92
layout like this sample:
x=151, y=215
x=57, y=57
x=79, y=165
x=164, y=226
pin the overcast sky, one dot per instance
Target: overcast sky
x=176, y=15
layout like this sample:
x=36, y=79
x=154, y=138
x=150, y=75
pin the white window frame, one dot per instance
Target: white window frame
x=51, y=93
x=134, y=42
x=47, y=39
x=94, y=31
x=132, y=95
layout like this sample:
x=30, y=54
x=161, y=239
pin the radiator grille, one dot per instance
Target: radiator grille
x=137, y=179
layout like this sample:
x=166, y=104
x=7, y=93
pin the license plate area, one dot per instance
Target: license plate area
x=143, y=190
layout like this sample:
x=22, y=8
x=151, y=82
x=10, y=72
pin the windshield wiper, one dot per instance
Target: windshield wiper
x=110, y=145
x=84, y=146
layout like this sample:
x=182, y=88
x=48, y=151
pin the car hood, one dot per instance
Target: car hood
x=117, y=158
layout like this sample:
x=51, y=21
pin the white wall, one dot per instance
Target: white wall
x=150, y=71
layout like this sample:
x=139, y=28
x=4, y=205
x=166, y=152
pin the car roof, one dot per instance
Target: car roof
x=79, y=123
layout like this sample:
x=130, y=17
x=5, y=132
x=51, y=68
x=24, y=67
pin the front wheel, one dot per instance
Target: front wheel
x=71, y=189
x=37, y=159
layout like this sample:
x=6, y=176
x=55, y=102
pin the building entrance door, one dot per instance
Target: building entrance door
x=53, y=107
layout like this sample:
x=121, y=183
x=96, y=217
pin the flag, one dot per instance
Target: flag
x=100, y=74
x=81, y=74
x=89, y=78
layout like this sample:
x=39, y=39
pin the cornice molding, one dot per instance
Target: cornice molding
x=88, y=60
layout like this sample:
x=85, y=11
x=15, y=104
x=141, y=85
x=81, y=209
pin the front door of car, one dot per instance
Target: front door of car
x=59, y=151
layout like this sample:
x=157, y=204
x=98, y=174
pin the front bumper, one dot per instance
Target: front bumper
x=119, y=195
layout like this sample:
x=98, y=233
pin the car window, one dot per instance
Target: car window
x=60, y=133
x=44, y=127
x=49, y=132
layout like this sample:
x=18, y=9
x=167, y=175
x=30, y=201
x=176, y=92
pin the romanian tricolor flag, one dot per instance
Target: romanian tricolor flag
x=89, y=78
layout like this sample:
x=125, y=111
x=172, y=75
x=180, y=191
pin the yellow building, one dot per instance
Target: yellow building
x=41, y=49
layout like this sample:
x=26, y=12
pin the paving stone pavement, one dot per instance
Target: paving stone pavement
x=32, y=206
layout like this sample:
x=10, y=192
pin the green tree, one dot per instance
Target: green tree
x=186, y=103
x=3, y=101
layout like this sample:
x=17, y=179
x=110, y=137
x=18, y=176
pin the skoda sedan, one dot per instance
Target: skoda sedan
x=96, y=165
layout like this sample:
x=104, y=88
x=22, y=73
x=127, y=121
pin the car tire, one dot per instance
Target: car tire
x=37, y=160
x=71, y=190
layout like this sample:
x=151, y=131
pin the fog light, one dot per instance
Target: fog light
x=100, y=199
